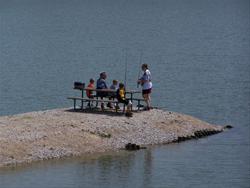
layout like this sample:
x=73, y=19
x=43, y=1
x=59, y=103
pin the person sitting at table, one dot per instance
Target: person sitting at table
x=112, y=95
x=89, y=92
x=90, y=86
x=114, y=85
x=120, y=95
x=101, y=84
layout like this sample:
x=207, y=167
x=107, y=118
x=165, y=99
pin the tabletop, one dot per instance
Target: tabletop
x=111, y=90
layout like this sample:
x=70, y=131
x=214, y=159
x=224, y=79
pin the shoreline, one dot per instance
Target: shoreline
x=59, y=133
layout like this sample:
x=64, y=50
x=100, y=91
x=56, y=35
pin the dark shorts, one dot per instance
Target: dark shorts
x=146, y=91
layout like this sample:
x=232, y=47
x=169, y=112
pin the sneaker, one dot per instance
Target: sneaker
x=130, y=105
x=129, y=102
x=129, y=114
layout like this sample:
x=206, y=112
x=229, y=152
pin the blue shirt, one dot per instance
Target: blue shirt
x=101, y=84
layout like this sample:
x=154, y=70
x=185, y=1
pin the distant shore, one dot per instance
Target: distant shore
x=60, y=133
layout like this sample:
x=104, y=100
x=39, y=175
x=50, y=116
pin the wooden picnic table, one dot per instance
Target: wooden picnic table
x=111, y=94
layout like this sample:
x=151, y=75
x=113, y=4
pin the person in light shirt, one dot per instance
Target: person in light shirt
x=146, y=83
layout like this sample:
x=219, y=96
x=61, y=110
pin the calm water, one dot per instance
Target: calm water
x=198, y=52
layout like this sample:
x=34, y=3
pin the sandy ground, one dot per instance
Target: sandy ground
x=60, y=132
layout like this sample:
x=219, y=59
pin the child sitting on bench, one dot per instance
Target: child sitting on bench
x=89, y=91
x=90, y=86
x=120, y=94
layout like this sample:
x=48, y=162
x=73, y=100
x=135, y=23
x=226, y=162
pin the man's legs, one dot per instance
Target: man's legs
x=147, y=100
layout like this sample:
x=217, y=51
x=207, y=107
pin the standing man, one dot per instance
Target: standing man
x=146, y=84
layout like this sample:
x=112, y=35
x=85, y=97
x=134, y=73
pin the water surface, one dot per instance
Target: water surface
x=198, y=52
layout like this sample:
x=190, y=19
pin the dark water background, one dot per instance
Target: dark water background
x=198, y=52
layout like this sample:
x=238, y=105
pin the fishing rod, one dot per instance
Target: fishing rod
x=161, y=107
x=125, y=76
x=139, y=69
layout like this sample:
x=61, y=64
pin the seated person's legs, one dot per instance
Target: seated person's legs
x=102, y=94
x=127, y=103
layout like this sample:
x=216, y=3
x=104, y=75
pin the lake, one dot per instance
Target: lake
x=198, y=54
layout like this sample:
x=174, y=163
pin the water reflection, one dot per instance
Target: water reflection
x=122, y=169
x=119, y=169
x=147, y=167
x=132, y=166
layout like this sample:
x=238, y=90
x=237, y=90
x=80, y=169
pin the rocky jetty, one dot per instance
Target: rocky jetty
x=61, y=132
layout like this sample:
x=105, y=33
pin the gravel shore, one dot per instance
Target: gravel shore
x=59, y=133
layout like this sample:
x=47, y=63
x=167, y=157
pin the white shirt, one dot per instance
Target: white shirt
x=147, y=77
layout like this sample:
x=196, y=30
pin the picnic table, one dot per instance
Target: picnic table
x=106, y=98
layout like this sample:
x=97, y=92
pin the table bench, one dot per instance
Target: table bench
x=81, y=86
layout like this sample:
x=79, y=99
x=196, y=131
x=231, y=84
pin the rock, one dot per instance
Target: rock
x=181, y=139
x=132, y=147
x=228, y=127
x=198, y=134
x=129, y=114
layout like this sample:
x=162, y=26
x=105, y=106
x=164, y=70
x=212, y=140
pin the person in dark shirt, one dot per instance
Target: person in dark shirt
x=101, y=84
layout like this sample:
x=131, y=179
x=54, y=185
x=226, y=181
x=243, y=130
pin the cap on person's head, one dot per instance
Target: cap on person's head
x=115, y=81
x=121, y=85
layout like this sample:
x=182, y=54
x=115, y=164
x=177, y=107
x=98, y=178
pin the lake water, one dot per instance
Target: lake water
x=198, y=53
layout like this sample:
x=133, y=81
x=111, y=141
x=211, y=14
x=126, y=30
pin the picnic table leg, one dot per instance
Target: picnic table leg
x=82, y=104
x=123, y=109
x=96, y=104
x=74, y=104
x=116, y=107
x=131, y=99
